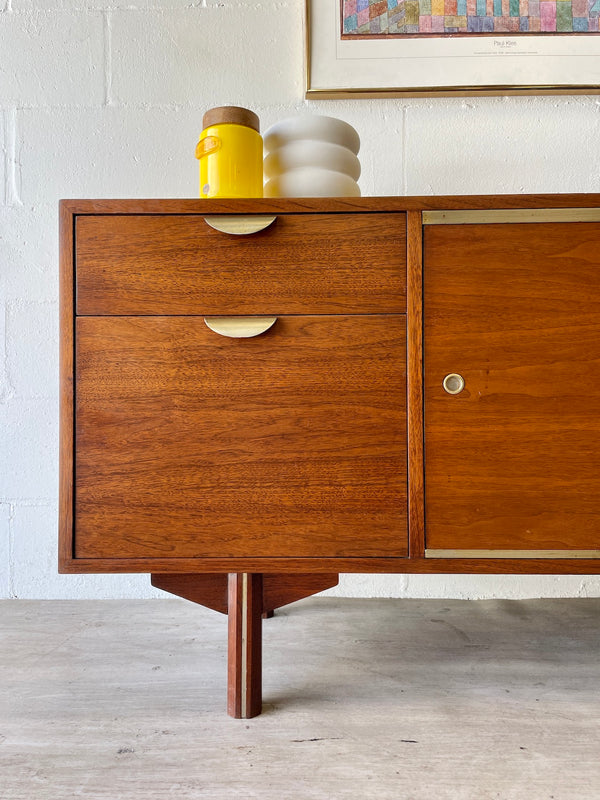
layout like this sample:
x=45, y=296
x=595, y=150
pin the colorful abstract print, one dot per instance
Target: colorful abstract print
x=402, y=17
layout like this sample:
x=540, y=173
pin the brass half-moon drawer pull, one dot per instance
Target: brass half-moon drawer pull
x=240, y=327
x=239, y=225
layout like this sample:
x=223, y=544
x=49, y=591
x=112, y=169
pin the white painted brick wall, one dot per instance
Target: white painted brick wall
x=106, y=152
x=4, y=387
x=4, y=125
x=30, y=448
x=52, y=58
x=104, y=98
x=185, y=63
x=5, y=558
x=504, y=145
x=28, y=247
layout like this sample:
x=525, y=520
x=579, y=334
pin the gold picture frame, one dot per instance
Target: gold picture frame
x=380, y=66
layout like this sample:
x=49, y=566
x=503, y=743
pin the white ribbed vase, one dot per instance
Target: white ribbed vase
x=311, y=156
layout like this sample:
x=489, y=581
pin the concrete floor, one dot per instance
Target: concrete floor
x=399, y=699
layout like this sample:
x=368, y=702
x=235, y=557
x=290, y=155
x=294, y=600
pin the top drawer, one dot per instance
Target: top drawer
x=302, y=264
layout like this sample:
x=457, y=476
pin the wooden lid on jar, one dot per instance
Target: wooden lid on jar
x=235, y=115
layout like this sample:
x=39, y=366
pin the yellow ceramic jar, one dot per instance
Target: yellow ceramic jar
x=230, y=152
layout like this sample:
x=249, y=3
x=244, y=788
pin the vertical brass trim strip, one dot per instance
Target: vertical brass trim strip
x=511, y=215
x=244, y=659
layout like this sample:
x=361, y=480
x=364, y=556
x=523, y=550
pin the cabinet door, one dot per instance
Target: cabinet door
x=513, y=460
x=191, y=444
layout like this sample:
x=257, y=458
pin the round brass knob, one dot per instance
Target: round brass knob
x=453, y=383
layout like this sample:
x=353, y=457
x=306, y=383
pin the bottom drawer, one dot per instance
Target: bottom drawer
x=191, y=444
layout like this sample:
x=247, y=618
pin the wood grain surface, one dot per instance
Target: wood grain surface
x=513, y=462
x=193, y=445
x=66, y=370
x=421, y=566
x=211, y=589
x=177, y=264
x=414, y=371
x=328, y=205
x=244, y=645
x=527, y=303
x=280, y=590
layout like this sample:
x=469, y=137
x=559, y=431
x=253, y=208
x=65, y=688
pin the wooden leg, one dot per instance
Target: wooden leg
x=246, y=598
x=244, y=671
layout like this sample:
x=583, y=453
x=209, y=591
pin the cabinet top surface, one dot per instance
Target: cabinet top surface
x=327, y=204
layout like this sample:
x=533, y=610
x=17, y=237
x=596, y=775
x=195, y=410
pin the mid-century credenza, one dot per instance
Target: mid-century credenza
x=260, y=394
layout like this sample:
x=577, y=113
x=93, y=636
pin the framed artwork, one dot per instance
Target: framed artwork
x=390, y=48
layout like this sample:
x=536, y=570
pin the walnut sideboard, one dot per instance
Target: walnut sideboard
x=260, y=394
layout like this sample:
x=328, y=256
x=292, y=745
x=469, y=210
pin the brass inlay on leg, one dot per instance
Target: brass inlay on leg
x=244, y=681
